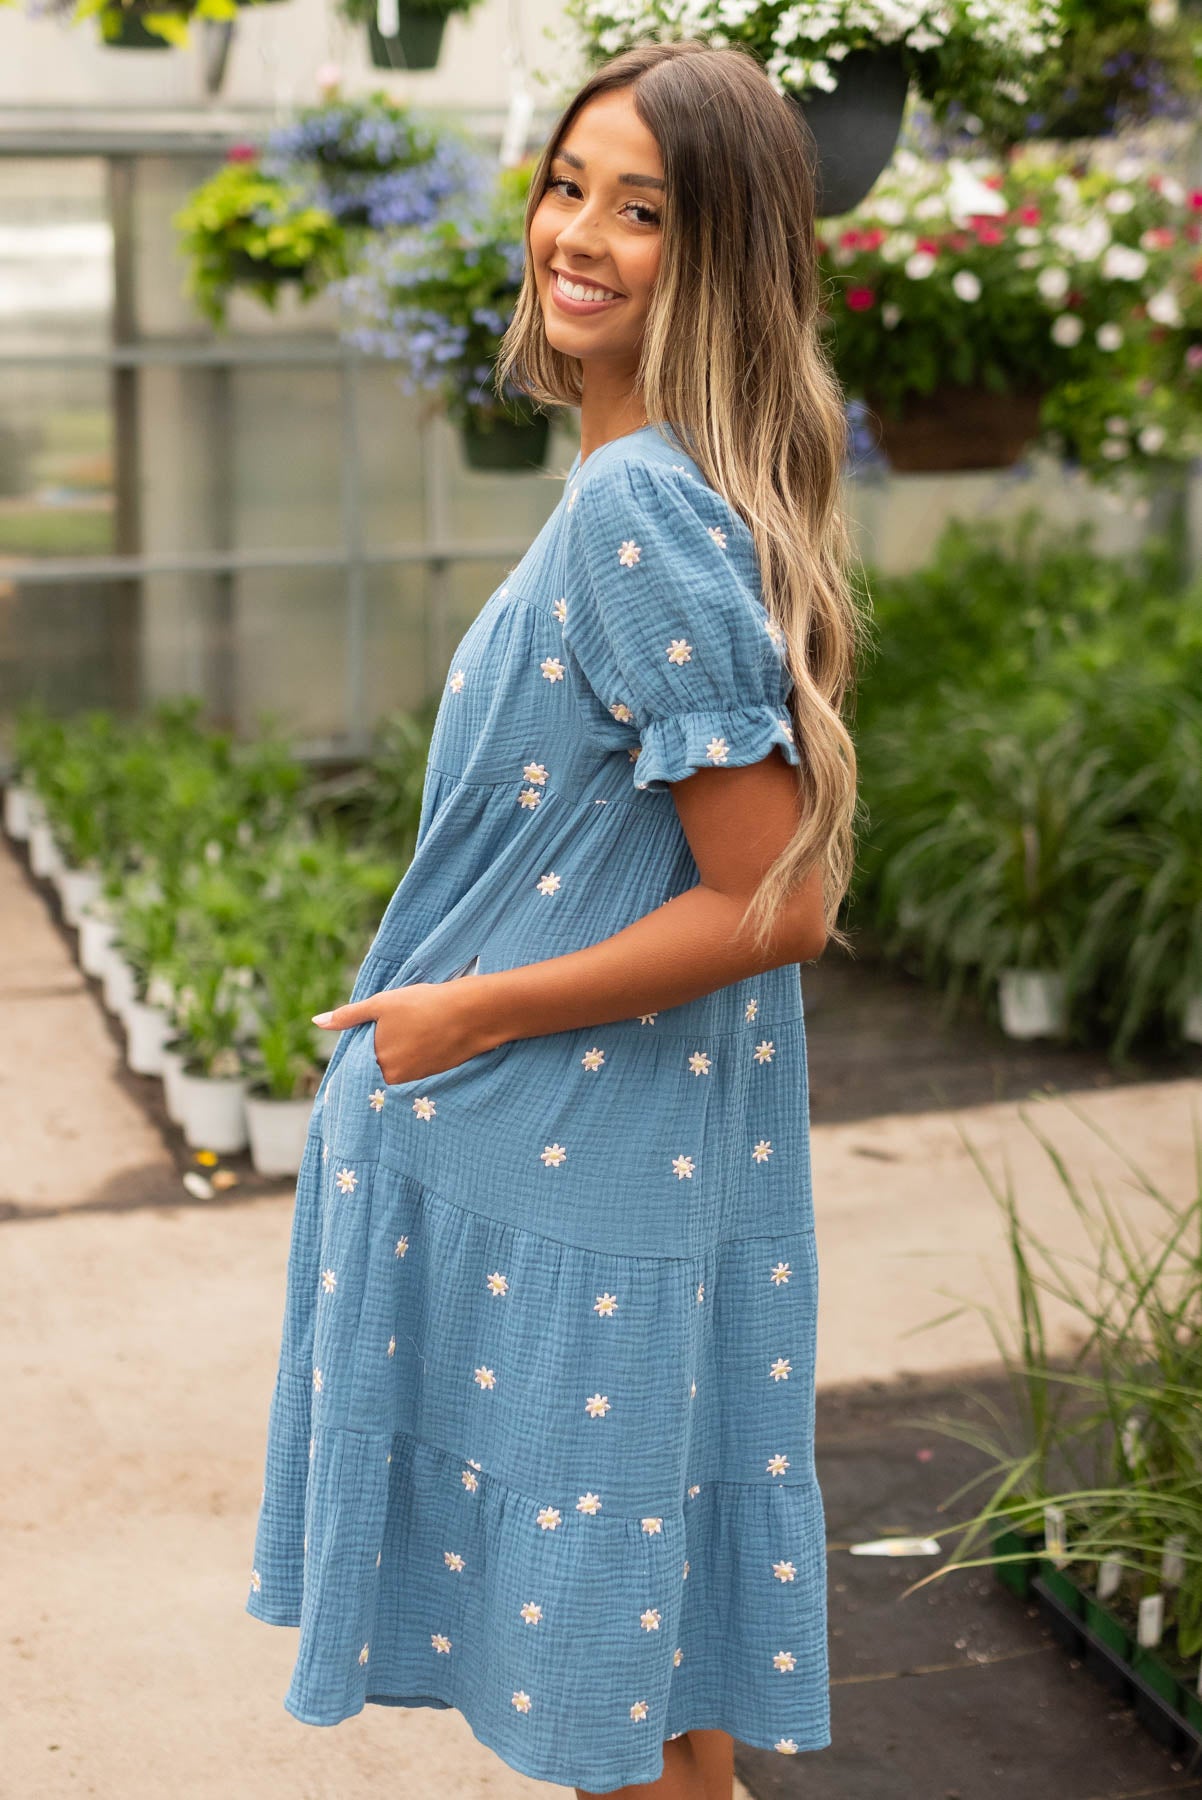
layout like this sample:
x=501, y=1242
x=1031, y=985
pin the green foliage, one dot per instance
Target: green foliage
x=244, y=226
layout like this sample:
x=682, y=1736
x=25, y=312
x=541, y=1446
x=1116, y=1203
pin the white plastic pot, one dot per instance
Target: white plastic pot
x=95, y=939
x=214, y=1109
x=147, y=1030
x=172, y=1071
x=18, y=811
x=77, y=888
x=1191, y=1024
x=1033, y=1003
x=278, y=1132
x=119, y=989
x=45, y=858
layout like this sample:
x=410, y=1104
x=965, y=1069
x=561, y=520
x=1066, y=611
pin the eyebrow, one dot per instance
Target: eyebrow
x=577, y=162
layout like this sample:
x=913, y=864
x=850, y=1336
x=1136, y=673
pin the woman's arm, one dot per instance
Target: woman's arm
x=737, y=821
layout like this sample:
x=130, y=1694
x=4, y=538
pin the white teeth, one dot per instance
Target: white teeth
x=575, y=292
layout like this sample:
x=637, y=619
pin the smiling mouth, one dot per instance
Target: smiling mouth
x=582, y=290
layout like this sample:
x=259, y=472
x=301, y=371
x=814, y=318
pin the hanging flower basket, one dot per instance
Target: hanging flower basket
x=855, y=126
x=492, y=441
x=959, y=428
x=415, y=44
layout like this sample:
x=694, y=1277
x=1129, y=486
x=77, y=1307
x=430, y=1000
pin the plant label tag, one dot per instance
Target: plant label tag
x=1131, y=1439
x=1151, y=1620
x=1172, y=1563
x=898, y=1546
x=1053, y=1534
x=1110, y=1571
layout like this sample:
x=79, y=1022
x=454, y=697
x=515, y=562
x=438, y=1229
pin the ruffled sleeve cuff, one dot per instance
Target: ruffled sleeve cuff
x=674, y=748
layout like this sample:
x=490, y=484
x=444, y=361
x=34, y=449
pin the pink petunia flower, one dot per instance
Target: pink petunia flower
x=859, y=299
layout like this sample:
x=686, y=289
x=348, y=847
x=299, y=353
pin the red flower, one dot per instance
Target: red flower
x=989, y=234
x=932, y=246
x=958, y=240
x=1030, y=215
x=872, y=240
x=849, y=240
x=859, y=299
x=1160, y=237
x=242, y=153
x=993, y=181
x=1194, y=233
x=1195, y=200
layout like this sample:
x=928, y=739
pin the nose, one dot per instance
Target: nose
x=581, y=236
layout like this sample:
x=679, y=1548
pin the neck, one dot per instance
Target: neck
x=609, y=408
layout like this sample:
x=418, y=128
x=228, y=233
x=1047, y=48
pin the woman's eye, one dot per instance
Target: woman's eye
x=565, y=181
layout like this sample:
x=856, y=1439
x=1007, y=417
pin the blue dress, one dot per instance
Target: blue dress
x=540, y=1445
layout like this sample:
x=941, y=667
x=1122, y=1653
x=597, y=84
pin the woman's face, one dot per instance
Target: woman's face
x=597, y=228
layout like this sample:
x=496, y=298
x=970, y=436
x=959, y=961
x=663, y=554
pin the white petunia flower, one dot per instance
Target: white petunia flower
x=891, y=315
x=1121, y=200
x=1163, y=307
x=1067, y=330
x=1109, y=337
x=1123, y=263
x=965, y=285
x=921, y=264
x=1152, y=439
x=1053, y=282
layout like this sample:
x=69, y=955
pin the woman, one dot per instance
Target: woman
x=541, y=1442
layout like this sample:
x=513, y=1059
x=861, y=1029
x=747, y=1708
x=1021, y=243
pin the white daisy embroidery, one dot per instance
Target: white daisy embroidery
x=764, y=1051
x=776, y=1465
x=548, y=1518
x=750, y=1010
x=329, y=1280
x=718, y=535
x=560, y=609
x=392, y=1346
x=700, y=1292
x=325, y=1149
x=648, y=1018
x=683, y=1166
x=780, y=1272
x=621, y=712
x=653, y=1527
x=424, y=1107
x=469, y=1481
x=379, y=1553
x=762, y=1151
x=784, y=1571
x=473, y=1462
x=693, y=1391
x=363, y=1654
x=536, y=772
x=589, y=1503
x=376, y=1099
x=699, y=1062
x=593, y=1059
x=786, y=726
x=786, y=1746
x=694, y=1490
x=629, y=553
x=552, y=1155
x=784, y=1660
x=318, y=1381
x=597, y=1405
x=606, y=1305
x=649, y=1620
x=780, y=1369
x=679, y=651
x=456, y=681
x=547, y=884
x=677, y=1658
x=552, y=668
x=774, y=632
x=256, y=1580
x=402, y=1244
x=497, y=1284
x=638, y=1710
x=684, y=1574
x=440, y=1643
x=453, y=1560
x=312, y=1448
x=571, y=499
x=532, y=1612
x=486, y=1378
x=347, y=1181
x=717, y=749
x=529, y=798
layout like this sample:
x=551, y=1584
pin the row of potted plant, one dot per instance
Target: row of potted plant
x=1096, y=1501
x=218, y=907
x=1030, y=741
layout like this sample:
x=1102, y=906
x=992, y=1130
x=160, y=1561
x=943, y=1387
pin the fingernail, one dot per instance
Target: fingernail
x=322, y=1018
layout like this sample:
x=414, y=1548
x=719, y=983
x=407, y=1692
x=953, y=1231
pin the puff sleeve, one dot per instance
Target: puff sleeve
x=666, y=623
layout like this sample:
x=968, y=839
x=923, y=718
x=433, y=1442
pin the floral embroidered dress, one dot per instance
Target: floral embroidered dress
x=540, y=1445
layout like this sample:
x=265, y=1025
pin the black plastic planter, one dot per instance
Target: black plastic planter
x=518, y=445
x=856, y=126
x=1145, y=1682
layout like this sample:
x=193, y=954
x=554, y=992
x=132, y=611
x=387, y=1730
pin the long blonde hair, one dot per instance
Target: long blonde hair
x=747, y=389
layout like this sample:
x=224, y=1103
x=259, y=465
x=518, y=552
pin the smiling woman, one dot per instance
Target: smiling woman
x=541, y=1443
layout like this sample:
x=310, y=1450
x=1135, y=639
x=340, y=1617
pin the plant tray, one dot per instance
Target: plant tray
x=1107, y=1664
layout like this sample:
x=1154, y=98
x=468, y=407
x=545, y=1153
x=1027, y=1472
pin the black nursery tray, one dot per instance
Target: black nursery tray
x=1105, y=1663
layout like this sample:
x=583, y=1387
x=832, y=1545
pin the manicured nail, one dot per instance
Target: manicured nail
x=322, y=1018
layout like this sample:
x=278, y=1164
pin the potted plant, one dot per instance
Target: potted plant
x=847, y=64
x=439, y=303
x=212, y=1084
x=373, y=163
x=285, y=1072
x=244, y=227
x=980, y=309
x=404, y=34
x=146, y=934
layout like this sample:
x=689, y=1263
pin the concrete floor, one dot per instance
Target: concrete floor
x=138, y=1339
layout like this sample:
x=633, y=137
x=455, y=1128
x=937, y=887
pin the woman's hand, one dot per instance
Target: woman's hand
x=421, y=1029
